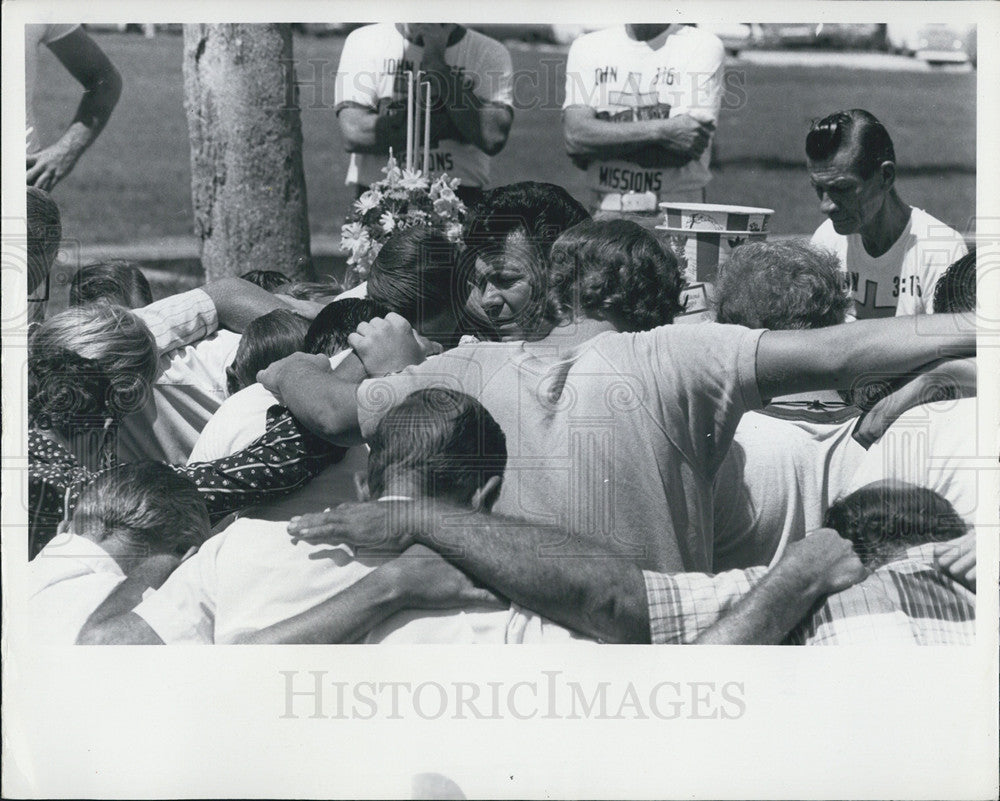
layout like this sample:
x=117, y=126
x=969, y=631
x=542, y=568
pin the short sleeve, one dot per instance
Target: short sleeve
x=240, y=420
x=358, y=73
x=61, y=610
x=706, y=379
x=684, y=605
x=496, y=76
x=579, y=87
x=183, y=609
x=709, y=76
x=180, y=320
x=935, y=255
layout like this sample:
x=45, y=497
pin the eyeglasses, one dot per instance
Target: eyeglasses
x=45, y=298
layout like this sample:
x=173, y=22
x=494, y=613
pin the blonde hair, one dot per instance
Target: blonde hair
x=93, y=359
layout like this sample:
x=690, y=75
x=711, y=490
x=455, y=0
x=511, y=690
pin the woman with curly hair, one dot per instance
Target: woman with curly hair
x=90, y=366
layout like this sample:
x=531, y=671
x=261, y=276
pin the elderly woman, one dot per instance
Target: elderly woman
x=90, y=366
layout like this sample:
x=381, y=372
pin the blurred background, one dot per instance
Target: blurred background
x=130, y=196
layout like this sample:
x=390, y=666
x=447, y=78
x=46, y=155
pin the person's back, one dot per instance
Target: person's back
x=946, y=434
x=619, y=435
x=896, y=529
x=121, y=518
x=789, y=460
x=252, y=575
x=614, y=434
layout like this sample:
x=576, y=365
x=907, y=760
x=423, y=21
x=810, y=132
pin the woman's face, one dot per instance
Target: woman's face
x=505, y=289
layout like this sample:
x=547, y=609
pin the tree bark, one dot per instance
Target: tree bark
x=247, y=181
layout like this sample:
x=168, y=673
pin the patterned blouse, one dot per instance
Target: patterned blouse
x=284, y=458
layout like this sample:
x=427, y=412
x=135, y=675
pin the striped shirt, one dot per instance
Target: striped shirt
x=906, y=601
x=179, y=320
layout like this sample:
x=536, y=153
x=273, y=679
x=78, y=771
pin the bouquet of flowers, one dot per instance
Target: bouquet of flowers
x=403, y=199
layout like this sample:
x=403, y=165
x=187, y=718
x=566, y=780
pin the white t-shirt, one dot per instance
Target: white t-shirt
x=242, y=418
x=935, y=445
x=190, y=383
x=619, y=437
x=625, y=80
x=252, y=575
x=901, y=280
x=34, y=37
x=67, y=581
x=372, y=73
x=778, y=480
x=189, y=387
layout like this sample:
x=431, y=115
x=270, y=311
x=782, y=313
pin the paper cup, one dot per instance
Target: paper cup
x=714, y=217
x=699, y=253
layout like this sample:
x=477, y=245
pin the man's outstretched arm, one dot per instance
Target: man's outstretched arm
x=812, y=568
x=324, y=400
x=418, y=579
x=601, y=594
x=835, y=358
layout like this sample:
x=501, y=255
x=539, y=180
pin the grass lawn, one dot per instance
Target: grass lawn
x=134, y=183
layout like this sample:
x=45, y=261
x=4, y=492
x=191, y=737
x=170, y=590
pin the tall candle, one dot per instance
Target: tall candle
x=416, y=122
x=427, y=132
x=409, y=119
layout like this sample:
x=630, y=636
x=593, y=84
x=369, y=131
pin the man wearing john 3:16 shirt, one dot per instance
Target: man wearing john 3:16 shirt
x=642, y=102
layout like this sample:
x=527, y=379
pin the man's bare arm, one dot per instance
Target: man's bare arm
x=680, y=139
x=819, y=565
x=322, y=399
x=102, y=86
x=835, y=358
x=367, y=130
x=600, y=593
x=955, y=378
x=238, y=303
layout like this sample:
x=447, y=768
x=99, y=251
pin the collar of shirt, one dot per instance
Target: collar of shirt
x=86, y=555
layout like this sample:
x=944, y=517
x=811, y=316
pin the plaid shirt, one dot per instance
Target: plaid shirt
x=905, y=601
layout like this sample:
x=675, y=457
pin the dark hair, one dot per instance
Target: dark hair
x=116, y=280
x=885, y=517
x=266, y=339
x=328, y=333
x=265, y=279
x=845, y=129
x=309, y=290
x=781, y=285
x=147, y=504
x=44, y=231
x=444, y=438
x=95, y=360
x=542, y=211
x=956, y=289
x=415, y=275
x=615, y=270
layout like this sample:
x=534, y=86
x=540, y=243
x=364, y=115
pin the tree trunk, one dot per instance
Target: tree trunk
x=247, y=182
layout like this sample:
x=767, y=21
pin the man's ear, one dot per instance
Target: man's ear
x=484, y=497
x=888, y=172
x=361, y=487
